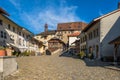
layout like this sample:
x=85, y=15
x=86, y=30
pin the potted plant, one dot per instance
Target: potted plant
x=2, y=51
x=8, y=51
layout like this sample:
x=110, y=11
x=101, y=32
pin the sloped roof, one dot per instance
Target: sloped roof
x=16, y=23
x=38, y=41
x=98, y=19
x=76, y=41
x=74, y=34
x=55, y=38
x=3, y=12
x=49, y=32
x=115, y=41
x=71, y=26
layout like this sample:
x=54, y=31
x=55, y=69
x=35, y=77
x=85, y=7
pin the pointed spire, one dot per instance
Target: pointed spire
x=46, y=27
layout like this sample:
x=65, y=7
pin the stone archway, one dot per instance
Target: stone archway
x=97, y=51
x=90, y=49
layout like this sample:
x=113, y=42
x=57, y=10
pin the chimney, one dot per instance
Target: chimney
x=118, y=5
x=46, y=27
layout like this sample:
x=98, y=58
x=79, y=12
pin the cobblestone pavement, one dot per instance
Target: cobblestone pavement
x=60, y=68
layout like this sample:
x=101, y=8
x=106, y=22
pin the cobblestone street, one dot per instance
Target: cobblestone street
x=60, y=68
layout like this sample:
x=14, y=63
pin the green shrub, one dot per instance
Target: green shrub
x=25, y=53
x=82, y=54
x=15, y=53
x=2, y=48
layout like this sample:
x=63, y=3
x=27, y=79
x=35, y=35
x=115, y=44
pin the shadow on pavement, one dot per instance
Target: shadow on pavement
x=99, y=63
x=92, y=63
x=68, y=53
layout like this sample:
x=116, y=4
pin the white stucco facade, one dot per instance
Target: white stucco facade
x=71, y=40
x=108, y=29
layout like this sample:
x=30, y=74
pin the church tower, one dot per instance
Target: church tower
x=46, y=28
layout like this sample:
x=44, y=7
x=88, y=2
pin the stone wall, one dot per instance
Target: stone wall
x=8, y=65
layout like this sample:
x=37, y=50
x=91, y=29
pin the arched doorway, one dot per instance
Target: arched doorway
x=48, y=52
x=97, y=51
x=90, y=49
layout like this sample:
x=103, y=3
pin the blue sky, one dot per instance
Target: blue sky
x=33, y=14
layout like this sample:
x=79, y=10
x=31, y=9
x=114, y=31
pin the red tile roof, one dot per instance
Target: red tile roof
x=71, y=26
x=74, y=34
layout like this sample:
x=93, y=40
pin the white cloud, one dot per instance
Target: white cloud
x=51, y=15
x=15, y=3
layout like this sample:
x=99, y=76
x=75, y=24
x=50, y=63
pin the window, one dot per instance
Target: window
x=90, y=35
x=69, y=27
x=13, y=29
x=1, y=22
x=90, y=49
x=97, y=33
x=94, y=32
x=1, y=34
x=81, y=40
x=19, y=41
x=78, y=26
x=85, y=38
x=28, y=36
x=9, y=26
x=59, y=27
x=23, y=42
x=23, y=35
x=5, y=35
x=20, y=33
